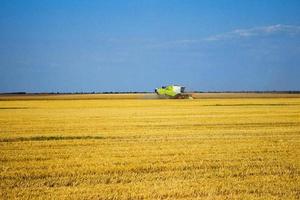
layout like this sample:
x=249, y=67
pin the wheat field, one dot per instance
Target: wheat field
x=217, y=148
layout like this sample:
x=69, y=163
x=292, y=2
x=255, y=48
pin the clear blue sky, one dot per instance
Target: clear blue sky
x=137, y=45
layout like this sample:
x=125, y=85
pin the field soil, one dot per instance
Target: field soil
x=214, y=147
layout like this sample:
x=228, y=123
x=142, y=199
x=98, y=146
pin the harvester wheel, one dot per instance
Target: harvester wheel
x=182, y=96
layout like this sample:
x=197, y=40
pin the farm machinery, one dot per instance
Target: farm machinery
x=173, y=92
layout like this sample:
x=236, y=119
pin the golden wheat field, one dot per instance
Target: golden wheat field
x=214, y=148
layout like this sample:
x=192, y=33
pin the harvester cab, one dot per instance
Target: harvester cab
x=173, y=92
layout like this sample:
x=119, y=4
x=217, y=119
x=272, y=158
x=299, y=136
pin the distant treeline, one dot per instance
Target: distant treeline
x=263, y=92
x=54, y=93
x=130, y=92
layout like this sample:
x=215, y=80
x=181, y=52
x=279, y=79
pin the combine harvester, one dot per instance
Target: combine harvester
x=173, y=92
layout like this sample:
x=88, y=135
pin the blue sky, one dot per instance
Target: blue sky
x=136, y=45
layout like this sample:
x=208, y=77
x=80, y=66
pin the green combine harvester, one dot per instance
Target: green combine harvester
x=173, y=92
